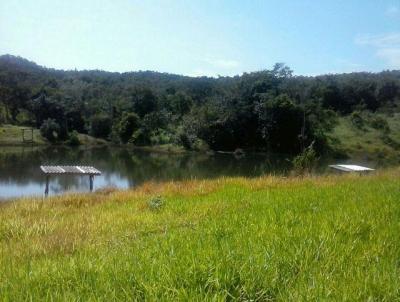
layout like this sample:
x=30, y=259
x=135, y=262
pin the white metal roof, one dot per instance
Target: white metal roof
x=351, y=168
x=70, y=170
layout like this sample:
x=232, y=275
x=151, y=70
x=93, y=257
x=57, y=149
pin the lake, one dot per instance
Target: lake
x=20, y=173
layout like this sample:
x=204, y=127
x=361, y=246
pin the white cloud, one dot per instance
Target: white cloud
x=344, y=65
x=392, y=11
x=222, y=63
x=387, y=47
x=202, y=73
x=214, y=67
x=385, y=40
x=391, y=56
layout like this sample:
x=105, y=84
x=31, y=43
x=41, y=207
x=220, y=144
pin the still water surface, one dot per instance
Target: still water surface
x=20, y=173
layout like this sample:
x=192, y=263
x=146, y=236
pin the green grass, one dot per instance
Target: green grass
x=12, y=135
x=90, y=140
x=332, y=238
x=367, y=142
x=166, y=148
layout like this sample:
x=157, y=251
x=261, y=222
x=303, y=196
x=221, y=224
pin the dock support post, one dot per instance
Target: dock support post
x=46, y=190
x=91, y=177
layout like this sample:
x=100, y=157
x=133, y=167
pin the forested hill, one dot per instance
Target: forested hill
x=266, y=110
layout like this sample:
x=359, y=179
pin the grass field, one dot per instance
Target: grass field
x=368, y=142
x=11, y=135
x=266, y=239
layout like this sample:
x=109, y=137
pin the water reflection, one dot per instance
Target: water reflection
x=121, y=167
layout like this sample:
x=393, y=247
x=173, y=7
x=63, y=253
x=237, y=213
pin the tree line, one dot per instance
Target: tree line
x=268, y=110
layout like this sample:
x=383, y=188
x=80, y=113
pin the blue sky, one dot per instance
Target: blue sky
x=204, y=37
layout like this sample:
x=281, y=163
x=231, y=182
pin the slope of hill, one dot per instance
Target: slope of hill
x=269, y=110
x=368, y=141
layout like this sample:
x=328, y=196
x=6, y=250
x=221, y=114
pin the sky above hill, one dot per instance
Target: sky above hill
x=206, y=37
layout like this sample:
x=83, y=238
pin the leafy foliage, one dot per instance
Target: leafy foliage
x=73, y=139
x=128, y=124
x=305, y=161
x=266, y=110
x=380, y=123
x=357, y=120
x=100, y=126
x=50, y=130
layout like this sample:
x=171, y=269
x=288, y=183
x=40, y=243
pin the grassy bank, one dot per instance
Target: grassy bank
x=11, y=135
x=346, y=139
x=264, y=239
x=367, y=141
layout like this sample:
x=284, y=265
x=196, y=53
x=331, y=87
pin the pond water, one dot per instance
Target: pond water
x=20, y=173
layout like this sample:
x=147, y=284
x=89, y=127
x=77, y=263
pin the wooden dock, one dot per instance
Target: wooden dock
x=69, y=170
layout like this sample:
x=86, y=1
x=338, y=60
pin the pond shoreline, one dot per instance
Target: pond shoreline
x=122, y=167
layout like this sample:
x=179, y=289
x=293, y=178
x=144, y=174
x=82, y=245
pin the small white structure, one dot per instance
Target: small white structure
x=77, y=170
x=351, y=168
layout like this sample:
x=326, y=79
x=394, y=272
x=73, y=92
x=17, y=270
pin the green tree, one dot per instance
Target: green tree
x=50, y=130
x=144, y=101
x=280, y=123
x=128, y=124
x=100, y=126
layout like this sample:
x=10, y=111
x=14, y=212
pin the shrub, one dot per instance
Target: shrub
x=156, y=203
x=357, y=120
x=305, y=161
x=160, y=137
x=2, y=115
x=50, y=130
x=186, y=135
x=73, y=139
x=128, y=124
x=390, y=142
x=380, y=124
x=140, y=137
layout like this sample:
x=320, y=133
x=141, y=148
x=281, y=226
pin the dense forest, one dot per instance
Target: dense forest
x=269, y=110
